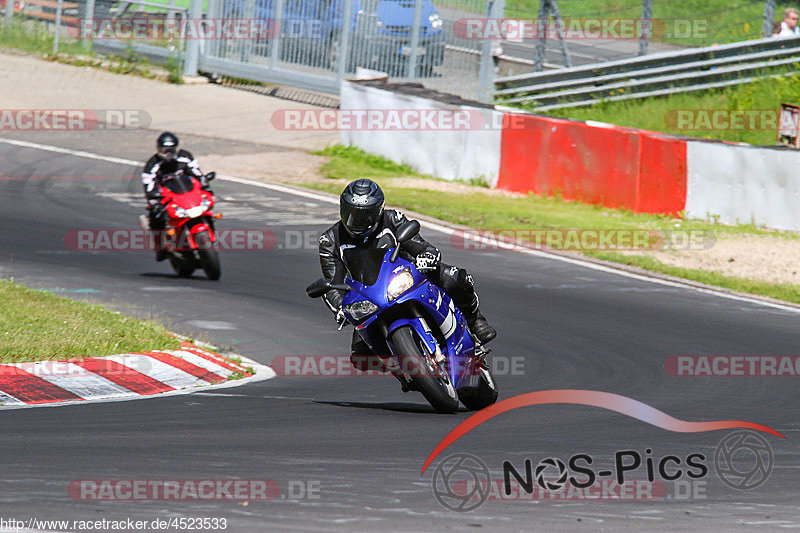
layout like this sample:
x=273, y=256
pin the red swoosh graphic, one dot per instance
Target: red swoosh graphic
x=605, y=400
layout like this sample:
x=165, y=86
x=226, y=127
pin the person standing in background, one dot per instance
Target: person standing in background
x=789, y=25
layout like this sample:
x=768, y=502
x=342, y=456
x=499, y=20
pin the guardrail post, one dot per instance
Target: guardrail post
x=88, y=19
x=59, y=9
x=541, y=42
x=245, y=46
x=171, y=12
x=647, y=15
x=496, y=10
x=413, y=58
x=192, y=61
x=9, y=11
x=559, y=25
x=344, y=43
x=769, y=16
x=276, y=40
x=212, y=12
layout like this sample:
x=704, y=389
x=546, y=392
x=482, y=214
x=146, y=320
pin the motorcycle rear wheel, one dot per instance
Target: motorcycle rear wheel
x=415, y=360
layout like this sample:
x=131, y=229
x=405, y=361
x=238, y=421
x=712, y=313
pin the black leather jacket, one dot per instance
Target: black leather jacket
x=332, y=241
x=155, y=168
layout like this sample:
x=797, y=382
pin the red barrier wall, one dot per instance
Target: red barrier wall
x=609, y=166
x=662, y=175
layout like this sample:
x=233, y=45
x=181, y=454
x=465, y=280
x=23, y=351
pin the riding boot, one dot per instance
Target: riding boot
x=478, y=324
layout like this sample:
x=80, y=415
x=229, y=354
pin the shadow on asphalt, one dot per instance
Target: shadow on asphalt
x=167, y=275
x=395, y=406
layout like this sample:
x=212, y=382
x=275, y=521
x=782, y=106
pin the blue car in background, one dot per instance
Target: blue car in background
x=394, y=21
x=381, y=32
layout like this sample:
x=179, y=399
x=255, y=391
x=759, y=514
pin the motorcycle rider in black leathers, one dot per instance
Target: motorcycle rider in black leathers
x=363, y=222
x=167, y=160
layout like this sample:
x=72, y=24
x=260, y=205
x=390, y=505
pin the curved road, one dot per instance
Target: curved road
x=360, y=440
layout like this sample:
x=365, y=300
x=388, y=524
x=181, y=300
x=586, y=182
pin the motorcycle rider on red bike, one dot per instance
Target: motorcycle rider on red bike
x=167, y=160
x=363, y=222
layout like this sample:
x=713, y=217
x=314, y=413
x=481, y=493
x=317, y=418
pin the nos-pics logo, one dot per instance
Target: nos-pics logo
x=462, y=482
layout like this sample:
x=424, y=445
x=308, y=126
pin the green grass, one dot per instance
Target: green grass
x=500, y=212
x=779, y=291
x=352, y=163
x=37, y=325
x=658, y=114
x=35, y=37
x=727, y=20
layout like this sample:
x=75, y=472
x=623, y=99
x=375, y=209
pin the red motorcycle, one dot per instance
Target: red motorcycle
x=189, y=237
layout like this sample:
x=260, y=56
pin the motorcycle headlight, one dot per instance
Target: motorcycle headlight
x=436, y=21
x=181, y=212
x=205, y=204
x=362, y=309
x=400, y=284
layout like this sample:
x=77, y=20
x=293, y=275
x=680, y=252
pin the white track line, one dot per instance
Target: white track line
x=429, y=225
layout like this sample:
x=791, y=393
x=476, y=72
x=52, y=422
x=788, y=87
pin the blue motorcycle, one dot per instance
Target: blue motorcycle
x=412, y=325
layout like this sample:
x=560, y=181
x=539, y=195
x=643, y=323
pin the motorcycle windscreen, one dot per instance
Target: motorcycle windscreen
x=364, y=264
x=178, y=184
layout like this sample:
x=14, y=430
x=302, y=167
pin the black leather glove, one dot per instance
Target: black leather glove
x=157, y=210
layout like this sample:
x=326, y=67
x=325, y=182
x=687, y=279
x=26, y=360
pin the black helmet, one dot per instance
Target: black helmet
x=361, y=207
x=167, y=146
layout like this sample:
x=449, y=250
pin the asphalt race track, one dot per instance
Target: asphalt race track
x=359, y=439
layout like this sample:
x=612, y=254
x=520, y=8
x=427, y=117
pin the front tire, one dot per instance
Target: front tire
x=182, y=266
x=209, y=257
x=482, y=396
x=430, y=379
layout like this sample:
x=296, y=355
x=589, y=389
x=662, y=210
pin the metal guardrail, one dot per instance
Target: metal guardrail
x=424, y=48
x=690, y=70
x=154, y=53
x=304, y=43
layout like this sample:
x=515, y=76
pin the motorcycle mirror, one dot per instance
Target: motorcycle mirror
x=322, y=285
x=408, y=231
x=210, y=176
x=318, y=288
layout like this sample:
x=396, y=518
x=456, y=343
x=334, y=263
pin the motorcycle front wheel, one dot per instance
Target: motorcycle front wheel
x=482, y=396
x=430, y=379
x=182, y=265
x=209, y=257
